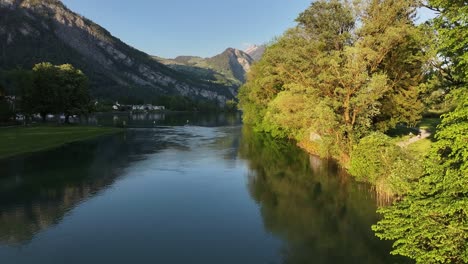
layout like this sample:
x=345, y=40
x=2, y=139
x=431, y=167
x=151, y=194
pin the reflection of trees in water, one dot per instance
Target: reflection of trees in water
x=166, y=119
x=38, y=190
x=321, y=216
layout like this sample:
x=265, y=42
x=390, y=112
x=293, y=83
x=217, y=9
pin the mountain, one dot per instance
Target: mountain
x=256, y=52
x=228, y=68
x=33, y=31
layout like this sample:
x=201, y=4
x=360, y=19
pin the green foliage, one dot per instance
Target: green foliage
x=231, y=106
x=450, y=71
x=330, y=22
x=452, y=38
x=6, y=111
x=326, y=77
x=58, y=89
x=378, y=160
x=373, y=156
x=430, y=224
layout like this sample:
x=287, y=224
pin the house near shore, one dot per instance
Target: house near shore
x=145, y=107
x=148, y=107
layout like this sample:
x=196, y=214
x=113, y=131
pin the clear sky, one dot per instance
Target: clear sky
x=169, y=28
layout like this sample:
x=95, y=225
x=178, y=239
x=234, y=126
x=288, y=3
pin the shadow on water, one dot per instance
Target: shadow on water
x=320, y=214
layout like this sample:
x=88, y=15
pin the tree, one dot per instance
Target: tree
x=5, y=108
x=44, y=95
x=57, y=89
x=339, y=83
x=430, y=224
x=452, y=38
x=74, y=98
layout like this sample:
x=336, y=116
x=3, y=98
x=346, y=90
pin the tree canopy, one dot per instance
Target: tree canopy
x=336, y=80
x=430, y=224
x=56, y=89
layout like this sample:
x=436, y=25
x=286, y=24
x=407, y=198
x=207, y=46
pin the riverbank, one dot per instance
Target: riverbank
x=403, y=148
x=20, y=140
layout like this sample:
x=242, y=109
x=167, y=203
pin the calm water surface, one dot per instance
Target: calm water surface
x=162, y=192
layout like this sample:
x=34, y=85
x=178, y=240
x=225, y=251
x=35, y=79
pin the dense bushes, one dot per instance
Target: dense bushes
x=378, y=160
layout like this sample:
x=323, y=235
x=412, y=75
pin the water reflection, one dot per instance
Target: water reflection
x=320, y=214
x=184, y=194
x=37, y=191
x=164, y=119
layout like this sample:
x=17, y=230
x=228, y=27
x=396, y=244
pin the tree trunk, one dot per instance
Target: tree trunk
x=44, y=116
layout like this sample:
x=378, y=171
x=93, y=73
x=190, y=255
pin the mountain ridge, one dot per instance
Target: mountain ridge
x=33, y=31
x=229, y=67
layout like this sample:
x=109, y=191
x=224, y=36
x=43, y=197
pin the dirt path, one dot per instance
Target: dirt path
x=424, y=134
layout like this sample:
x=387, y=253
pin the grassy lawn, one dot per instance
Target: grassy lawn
x=19, y=140
x=420, y=148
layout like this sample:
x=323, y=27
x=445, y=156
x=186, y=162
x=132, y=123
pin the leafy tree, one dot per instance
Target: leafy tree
x=329, y=79
x=74, y=98
x=18, y=82
x=5, y=109
x=57, y=89
x=450, y=71
x=452, y=38
x=329, y=22
x=44, y=95
x=430, y=224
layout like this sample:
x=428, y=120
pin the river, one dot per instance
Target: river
x=184, y=188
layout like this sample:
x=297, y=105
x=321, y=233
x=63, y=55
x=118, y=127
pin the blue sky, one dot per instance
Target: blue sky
x=169, y=28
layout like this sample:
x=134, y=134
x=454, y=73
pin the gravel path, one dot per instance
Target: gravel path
x=424, y=134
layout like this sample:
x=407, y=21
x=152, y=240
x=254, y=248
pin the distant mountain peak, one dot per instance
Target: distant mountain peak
x=228, y=67
x=256, y=51
x=251, y=49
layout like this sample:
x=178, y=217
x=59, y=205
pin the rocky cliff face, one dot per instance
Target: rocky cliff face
x=232, y=62
x=33, y=31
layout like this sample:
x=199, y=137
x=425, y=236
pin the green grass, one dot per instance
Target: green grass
x=20, y=140
x=420, y=148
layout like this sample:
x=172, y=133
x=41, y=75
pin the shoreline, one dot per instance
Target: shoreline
x=16, y=141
